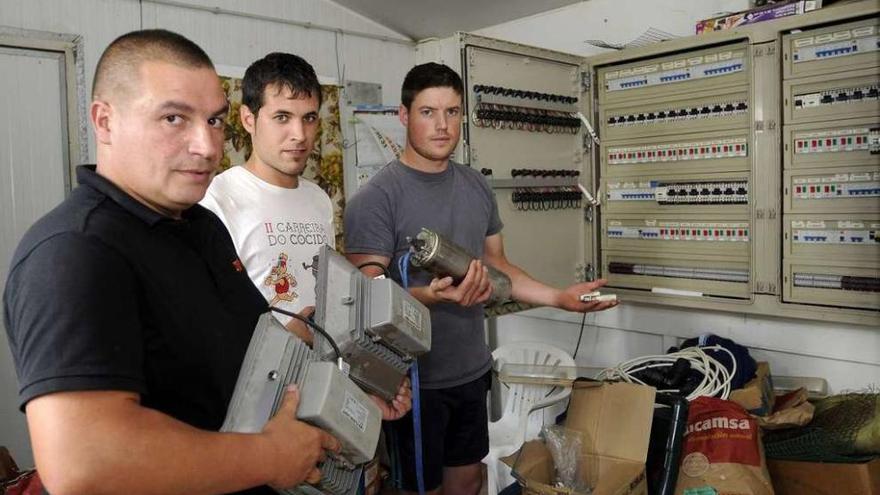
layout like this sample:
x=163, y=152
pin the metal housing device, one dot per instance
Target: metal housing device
x=379, y=327
x=277, y=358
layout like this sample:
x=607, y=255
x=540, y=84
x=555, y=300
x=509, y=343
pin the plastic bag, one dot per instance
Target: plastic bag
x=565, y=447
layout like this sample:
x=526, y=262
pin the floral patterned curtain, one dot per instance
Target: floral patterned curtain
x=324, y=167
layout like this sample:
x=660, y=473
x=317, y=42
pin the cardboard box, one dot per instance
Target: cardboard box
x=821, y=478
x=615, y=421
x=766, y=13
x=757, y=396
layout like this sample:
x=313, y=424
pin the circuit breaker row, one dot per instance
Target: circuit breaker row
x=675, y=161
x=831, y=163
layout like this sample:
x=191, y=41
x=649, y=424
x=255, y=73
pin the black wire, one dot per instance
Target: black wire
x=376, y=263
x=313, y=325
x=578, y=345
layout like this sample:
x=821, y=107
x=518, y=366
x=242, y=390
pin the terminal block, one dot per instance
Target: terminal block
x=682, y=193
x=673, y=152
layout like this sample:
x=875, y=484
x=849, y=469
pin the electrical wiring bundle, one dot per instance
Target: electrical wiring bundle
x=690, y=372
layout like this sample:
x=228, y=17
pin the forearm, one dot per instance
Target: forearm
x=144, y=452
x=176, y=458
x=527, y=289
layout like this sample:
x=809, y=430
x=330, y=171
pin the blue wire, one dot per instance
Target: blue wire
x=403, y=266
x=417, y=427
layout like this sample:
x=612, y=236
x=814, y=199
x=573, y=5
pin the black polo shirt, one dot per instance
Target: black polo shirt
x=106, y=294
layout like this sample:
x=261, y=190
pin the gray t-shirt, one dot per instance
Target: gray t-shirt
x=456, y=203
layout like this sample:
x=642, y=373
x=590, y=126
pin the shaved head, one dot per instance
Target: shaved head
x=118, y=71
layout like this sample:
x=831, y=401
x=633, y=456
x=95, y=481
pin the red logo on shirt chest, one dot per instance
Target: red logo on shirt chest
x=236, y=263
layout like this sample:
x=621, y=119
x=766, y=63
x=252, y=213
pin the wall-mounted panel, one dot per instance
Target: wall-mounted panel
x=832, y=143
x=854, y=190
x=700, y=112
x=677, y=234
x=703, y=274
x=832, y=49
x=723, y=160
x=721, y=151
x=848, y=95
x=832, y=283
x=684, y=73
x=831, y=140
x=721, y=193
x=854, y=237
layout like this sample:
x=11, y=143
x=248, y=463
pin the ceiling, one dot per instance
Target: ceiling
x=420, y=19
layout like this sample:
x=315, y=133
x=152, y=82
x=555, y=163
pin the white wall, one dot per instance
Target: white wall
x=847, y=356
x=230, y=40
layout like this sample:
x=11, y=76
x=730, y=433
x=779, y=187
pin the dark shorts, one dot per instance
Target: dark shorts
x=455, y=432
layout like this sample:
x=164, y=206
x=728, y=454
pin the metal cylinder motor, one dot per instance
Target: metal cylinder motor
x=444, y=258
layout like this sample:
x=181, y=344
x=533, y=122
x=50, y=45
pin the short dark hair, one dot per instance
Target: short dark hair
x=430, y=75
x=122, y=59
x=283, y=69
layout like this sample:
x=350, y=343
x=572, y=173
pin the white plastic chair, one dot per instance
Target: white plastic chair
x=517, y=423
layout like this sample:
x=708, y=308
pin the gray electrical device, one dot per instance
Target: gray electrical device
x=379, y=327
x=397, y=318
x=276, y=358
x=332, y=402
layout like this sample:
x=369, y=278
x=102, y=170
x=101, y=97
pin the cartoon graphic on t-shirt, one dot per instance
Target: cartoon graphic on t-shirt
x=282, y=281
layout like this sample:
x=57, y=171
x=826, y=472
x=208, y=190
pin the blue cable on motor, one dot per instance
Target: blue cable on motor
x=403, y=268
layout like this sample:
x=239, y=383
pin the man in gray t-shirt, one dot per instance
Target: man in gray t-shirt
x=426, y=189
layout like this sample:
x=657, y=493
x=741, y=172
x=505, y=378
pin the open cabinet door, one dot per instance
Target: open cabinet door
x=522, y=131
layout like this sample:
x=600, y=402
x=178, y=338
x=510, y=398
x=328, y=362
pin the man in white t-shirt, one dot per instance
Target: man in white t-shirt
x=277, y=219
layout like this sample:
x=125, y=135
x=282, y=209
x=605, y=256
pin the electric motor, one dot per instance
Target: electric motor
x=444, y=258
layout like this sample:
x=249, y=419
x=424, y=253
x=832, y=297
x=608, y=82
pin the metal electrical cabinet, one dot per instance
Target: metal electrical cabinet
x=737, y=170
x=689, y=189
x=831, y=128
x=519, y=130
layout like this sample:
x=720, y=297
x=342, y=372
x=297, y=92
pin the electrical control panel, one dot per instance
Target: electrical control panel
x=702, y=111
x=736, y=170
x=712, y=69
x=852, y=94
x=831, y=142
x=675, y=162
x=832, y=49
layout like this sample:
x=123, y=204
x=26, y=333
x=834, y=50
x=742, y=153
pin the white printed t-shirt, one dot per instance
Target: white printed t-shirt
x=277, y=233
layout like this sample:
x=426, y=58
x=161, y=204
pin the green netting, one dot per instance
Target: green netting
x=845, y=428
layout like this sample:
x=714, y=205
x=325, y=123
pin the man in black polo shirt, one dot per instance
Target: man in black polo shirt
x=127, y=309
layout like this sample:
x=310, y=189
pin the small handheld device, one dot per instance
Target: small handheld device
x=597, y=296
